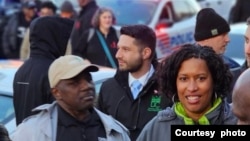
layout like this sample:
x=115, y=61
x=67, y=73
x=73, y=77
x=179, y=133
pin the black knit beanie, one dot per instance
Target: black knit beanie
x=209, y=24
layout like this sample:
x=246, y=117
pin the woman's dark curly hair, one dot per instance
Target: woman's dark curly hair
x=169, y=68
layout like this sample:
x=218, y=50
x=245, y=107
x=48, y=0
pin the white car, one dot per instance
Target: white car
x=8, y=69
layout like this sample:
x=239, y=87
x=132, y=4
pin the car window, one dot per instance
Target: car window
x=6, y=109
x=183, y=10
x=131, y=12
x=165, y=13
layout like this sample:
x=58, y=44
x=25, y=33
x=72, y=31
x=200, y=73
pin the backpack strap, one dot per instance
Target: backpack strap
x=106, y=50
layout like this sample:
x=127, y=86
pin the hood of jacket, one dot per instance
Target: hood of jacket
x=109, y=123
x=49, y=36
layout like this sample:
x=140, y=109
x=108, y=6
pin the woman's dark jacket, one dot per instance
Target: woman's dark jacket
x=83, y=21
x=93, y=50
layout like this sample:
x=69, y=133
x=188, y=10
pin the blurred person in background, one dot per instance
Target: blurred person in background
x=215, y=34
x=241, y=98
x=197, y=80
x=49, y=37
x=246, y=64
x=240, y=11
x=38, y=4
x=16, y=28
x=83, y=20
x=97, y=40
x=47, y=8
x=67, y=10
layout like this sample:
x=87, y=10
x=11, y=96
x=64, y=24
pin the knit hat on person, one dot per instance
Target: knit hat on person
x=209, y=24
x=68, y=66
x=67, y=7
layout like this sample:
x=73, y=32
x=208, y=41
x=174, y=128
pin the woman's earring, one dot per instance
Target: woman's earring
x=215, y=96
x=173, y=98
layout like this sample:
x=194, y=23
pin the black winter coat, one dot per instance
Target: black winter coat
x=240, y=12
x=115, y=99
x=48, y=40
x=83, y=22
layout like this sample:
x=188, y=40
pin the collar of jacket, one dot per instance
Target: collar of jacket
x=109, y=123
x=122, y=78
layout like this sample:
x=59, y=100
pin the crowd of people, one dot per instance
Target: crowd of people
x=15, y=30
x=54, y=90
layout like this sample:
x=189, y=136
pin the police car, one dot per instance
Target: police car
x=172, y=20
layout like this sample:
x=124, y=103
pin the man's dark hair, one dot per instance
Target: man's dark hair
x=50, y=5
x=144, y=36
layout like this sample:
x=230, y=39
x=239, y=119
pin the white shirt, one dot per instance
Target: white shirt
x=143, y=79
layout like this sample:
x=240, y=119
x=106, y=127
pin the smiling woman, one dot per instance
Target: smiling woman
x=197, y=80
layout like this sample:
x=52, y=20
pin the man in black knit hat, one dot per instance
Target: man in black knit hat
x=212, y=30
